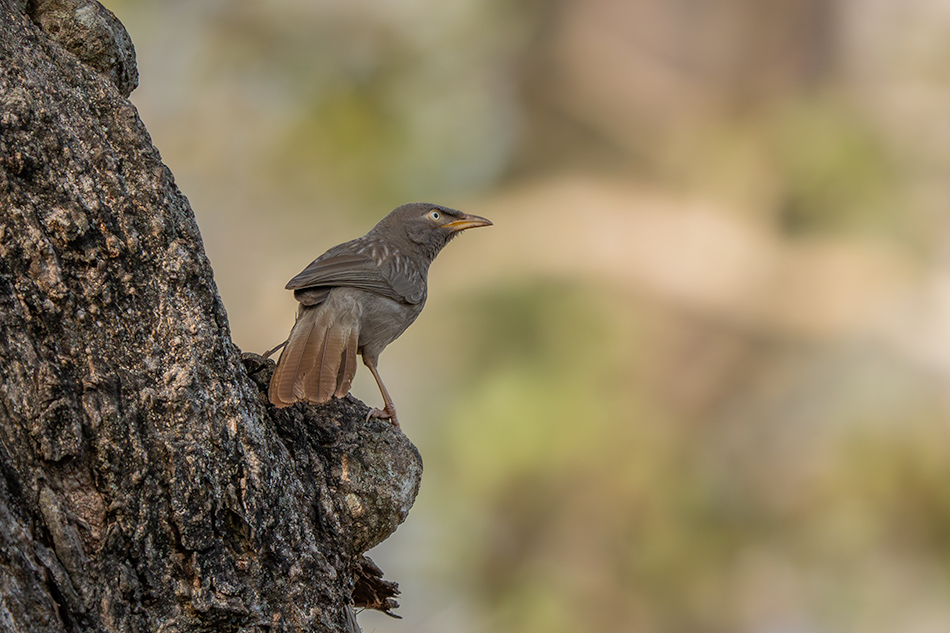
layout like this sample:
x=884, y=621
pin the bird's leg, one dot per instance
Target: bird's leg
x=389, y=410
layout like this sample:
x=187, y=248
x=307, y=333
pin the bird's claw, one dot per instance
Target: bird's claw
x=386, y=413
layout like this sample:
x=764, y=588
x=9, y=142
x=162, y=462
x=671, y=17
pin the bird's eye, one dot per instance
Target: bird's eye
x=434, y=215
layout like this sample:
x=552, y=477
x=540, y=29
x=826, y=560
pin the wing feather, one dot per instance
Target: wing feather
x=408, y=282
x=364, y=264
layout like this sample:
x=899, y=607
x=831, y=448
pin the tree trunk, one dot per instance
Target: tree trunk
x=146, y=482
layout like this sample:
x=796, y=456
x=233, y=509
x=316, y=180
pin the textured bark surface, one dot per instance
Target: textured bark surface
x=145, y=483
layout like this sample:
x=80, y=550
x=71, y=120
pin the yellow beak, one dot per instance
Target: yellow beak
x=467, y=222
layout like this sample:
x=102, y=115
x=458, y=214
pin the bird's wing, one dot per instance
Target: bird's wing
x=404, y=278
x=368, y=266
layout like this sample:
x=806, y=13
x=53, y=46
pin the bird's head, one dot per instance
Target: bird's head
x=428, y=227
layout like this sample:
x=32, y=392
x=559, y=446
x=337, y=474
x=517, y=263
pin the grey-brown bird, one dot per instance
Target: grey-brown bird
x=357, y=298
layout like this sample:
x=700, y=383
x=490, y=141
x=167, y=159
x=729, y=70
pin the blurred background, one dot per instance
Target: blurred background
x=695, y=378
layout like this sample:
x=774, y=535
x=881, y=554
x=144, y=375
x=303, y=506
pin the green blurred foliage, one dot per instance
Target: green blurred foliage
x=812, y=165
x=599, y=507
x=835, y=172
x=347, y=141
x=382, y=106
x=538, y=354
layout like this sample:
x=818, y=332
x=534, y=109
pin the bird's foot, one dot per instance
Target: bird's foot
x=386, y=413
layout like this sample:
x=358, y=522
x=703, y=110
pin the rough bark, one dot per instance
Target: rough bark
x=145, y=482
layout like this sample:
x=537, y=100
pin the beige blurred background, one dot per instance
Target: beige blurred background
x=695, y=378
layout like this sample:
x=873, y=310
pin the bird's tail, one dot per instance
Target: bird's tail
x=319, y=360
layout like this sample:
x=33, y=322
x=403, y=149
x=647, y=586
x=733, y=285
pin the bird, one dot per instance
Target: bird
x=357, y=298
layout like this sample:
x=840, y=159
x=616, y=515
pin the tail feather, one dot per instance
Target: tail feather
x=294, y=358
x=348, y=366
x=320, y=382
x=319, y=360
